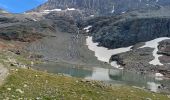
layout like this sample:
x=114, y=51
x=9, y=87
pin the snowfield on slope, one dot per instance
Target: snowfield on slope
x=104, y=54
x=154, y=44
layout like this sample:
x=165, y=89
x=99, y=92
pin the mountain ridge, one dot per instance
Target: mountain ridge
x=102, y=7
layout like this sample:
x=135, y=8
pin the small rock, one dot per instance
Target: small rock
x=168, y=96
x=38, y=98
x=25, y=85
x=77, y=81
x=86, y=81
x=20, y=91
x=46, y=81
x=9, y=89
x=148, y=99
x=23, y=66
x=13, y=96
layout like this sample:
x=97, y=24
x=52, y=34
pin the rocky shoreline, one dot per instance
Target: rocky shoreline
x=138, y=60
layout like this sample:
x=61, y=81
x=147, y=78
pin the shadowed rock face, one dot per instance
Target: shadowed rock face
x=20, y=33
x=113, y=33
x=103, y=7
x=164, y=47
x=164, y=50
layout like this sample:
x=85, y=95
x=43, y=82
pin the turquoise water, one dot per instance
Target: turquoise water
x=113, y=76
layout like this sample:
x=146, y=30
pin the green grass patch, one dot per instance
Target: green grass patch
x=30, y=84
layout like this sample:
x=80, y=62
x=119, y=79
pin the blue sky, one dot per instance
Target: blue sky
x=19, y=6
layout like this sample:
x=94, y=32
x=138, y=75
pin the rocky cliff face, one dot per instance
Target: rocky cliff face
x=102, y=7
x=122, y=33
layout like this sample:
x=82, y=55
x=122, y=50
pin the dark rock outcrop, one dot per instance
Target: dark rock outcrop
x=115, y=32
x=19, y=33
x=118, y=59
x=136, y=59
x=164, y=47
x=164, y=50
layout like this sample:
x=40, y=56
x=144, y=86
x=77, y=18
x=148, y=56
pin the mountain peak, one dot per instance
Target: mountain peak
x=101, y=7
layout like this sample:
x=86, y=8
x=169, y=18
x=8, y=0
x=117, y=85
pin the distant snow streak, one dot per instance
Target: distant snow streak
x=58, y=10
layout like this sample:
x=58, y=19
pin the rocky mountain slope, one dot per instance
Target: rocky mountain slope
x=51, y=37
x=102, y=7
x=54, y=30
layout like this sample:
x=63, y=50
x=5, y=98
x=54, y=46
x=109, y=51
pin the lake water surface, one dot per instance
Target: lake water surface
x=113, y=76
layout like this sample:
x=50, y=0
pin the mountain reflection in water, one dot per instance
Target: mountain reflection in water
x=114, y=76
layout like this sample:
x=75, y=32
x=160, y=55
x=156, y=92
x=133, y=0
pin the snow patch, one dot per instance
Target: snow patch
x=113, y=9
x=87, y=28
x=58, y=10
x=91, y=15
x=48, y=11
x=154, y=44
x=104, y=54
x=123, y=12
x=159, y=75
x=71, y=9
